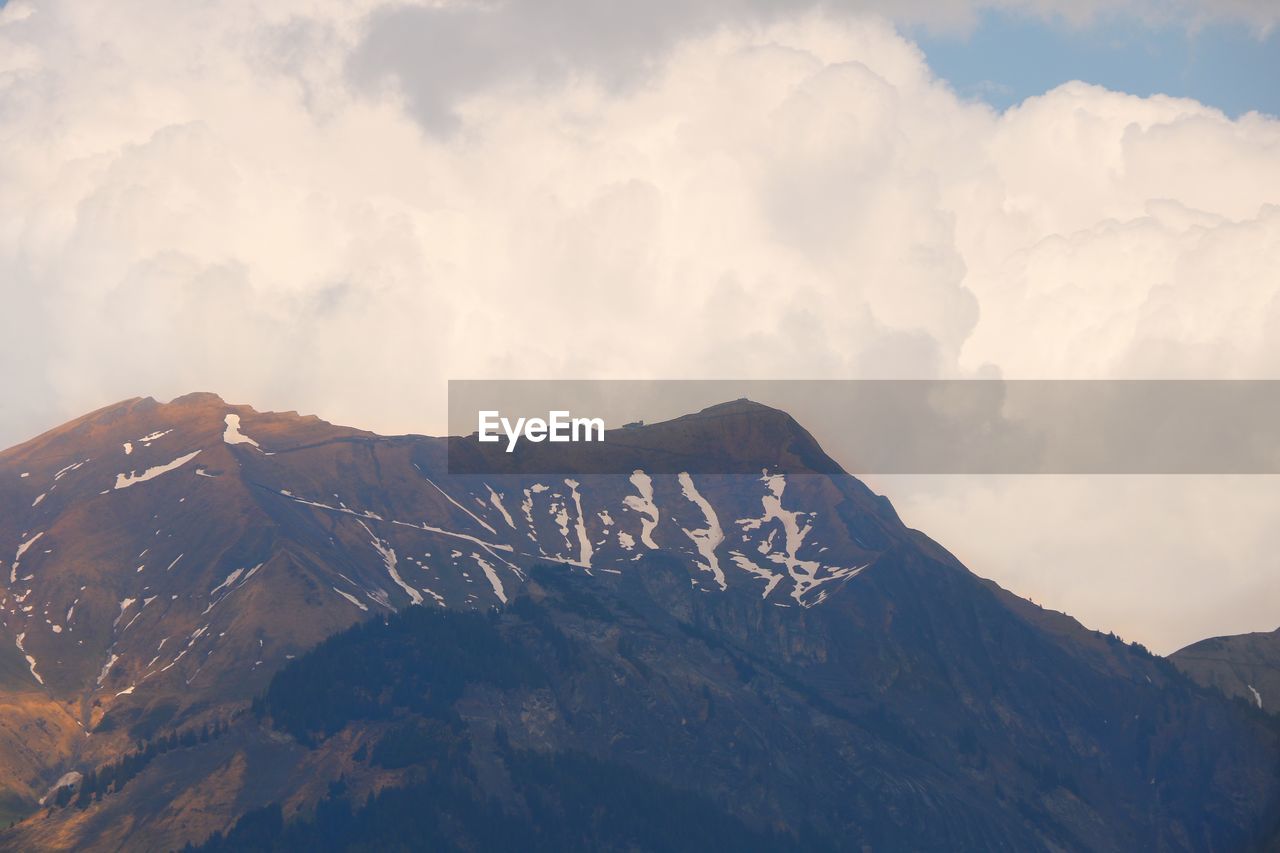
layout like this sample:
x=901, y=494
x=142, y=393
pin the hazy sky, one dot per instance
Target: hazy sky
x=335, y=205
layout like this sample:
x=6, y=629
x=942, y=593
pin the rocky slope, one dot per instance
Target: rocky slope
x=777, y=642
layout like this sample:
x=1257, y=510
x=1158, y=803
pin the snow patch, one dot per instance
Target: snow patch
x=171, y=663
x=106, y=667
x=745, y=563
x=803, y=573
x=124, y=481
x=709, y=538
x=125, y=604
x=645, y=506
x=229, y=585
x=231, y=578
x=526, y=507
x=496, y=500
x=31, y=662
x=65, y=471
x=1257, y=697
x=232, y=434
x=71, y=778
x=580, y=525
x=492, y=575
x=474, y=517
x=17, y=557
x=492, y=547
x=349, y=597
x=388, y=555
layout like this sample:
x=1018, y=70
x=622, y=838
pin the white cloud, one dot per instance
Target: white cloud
x=287, y=205
x=1162, y=560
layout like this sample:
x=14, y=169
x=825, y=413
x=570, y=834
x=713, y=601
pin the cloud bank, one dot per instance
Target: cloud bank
x=334, y=207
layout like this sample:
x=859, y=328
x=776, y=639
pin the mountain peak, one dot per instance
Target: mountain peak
x=198, y=398
x=1242, y=665
x=738, y=436
x=740, y=406
x=735, y=437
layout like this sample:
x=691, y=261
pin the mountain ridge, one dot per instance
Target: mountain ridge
x=191, y=554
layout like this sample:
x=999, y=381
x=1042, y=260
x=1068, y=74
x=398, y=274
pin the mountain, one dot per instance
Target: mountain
x=1246, y=665
x=168, y=558
x=260, y=624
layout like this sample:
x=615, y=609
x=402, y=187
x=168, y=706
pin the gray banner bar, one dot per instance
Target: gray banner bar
x=873, y=426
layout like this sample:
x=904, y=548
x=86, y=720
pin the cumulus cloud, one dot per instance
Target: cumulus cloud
x=437, y=54
x=334, y=207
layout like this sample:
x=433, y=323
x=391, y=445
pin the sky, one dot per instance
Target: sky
x=334, y=207
x=1007, y=57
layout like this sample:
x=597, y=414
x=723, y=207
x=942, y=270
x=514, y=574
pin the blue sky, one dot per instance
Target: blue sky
x=1009, y=57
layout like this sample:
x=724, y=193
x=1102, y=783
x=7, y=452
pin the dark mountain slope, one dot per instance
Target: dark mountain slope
x=903, y=721
x=815, y=727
